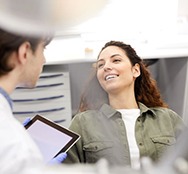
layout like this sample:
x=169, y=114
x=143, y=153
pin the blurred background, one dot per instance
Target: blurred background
x=157, y=29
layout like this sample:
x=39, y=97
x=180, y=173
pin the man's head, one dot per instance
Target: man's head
x=23, y=54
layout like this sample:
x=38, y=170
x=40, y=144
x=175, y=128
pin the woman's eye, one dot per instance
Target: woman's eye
x=100, y=65
x=116, y=60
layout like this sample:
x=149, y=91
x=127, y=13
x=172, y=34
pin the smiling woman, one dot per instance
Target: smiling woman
x=122, y=116
x=116, y=73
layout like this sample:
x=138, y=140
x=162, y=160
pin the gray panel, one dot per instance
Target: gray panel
x=172, y=82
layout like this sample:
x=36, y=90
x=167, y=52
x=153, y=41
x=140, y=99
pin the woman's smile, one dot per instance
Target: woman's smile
x=110, y=77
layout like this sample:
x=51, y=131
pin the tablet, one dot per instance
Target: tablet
x=50, y=137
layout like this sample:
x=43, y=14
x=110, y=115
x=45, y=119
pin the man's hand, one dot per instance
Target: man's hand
x=58, y=159
x=26, y=121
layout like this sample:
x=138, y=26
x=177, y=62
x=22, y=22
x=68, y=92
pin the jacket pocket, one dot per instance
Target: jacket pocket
x=162, y=144
x=164, y=140
x=97, y=150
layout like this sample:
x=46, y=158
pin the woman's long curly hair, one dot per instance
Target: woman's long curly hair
x=145, y=89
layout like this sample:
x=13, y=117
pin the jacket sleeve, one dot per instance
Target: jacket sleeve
x=178, y=123
x=76, y=154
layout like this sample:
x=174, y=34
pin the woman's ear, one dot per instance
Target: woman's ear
x=23, y=52
x=136, y=70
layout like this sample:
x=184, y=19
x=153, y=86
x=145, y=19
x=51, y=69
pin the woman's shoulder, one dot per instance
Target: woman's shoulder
x=87, y=114
x=85, y=120
x=164, y=110
x=157, y=110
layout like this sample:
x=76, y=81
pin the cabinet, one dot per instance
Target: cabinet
x=50, y=98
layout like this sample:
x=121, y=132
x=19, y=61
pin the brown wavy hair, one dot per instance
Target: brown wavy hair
x=146, y=90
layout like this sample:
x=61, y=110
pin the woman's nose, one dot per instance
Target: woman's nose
x=107, y=67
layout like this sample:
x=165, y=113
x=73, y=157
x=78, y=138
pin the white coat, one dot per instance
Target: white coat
x=17, y=150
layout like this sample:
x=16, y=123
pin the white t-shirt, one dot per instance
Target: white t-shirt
x=129, y=117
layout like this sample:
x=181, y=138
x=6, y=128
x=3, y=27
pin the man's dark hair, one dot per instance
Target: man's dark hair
x=10, y=42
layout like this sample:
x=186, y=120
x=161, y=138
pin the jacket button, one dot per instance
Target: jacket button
x=140, y=144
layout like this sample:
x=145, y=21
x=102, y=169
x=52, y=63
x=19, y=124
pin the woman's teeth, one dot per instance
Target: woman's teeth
x=110, y=77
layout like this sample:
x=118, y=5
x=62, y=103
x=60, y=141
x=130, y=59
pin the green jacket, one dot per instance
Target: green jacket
x=103, y=135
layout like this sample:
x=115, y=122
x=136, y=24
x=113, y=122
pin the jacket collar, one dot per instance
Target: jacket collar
x=108, y=111
x=6, y=95
x=144, y=109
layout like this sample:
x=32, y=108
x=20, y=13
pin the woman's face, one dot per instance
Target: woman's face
x=115, y=71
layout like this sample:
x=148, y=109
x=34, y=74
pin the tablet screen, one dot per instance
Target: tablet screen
x=50, y=137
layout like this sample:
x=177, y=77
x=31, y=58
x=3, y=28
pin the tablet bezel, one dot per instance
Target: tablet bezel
x=75, y=136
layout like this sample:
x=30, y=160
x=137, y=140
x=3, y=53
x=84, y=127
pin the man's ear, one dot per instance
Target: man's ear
x=23, y=52
x=136, y=70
